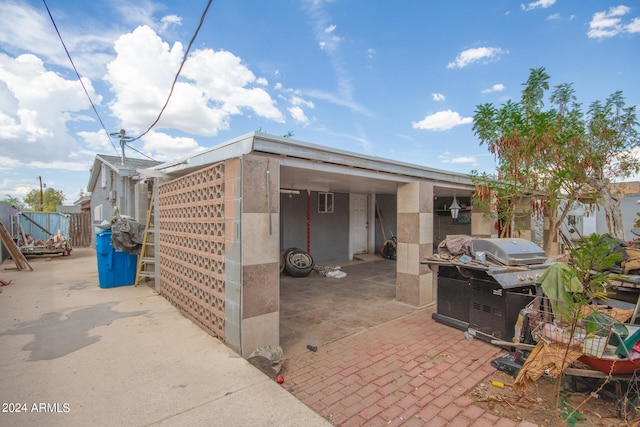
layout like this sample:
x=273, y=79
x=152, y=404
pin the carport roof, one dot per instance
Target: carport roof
x=333, y=169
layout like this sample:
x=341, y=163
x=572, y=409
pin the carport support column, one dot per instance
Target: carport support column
x=260, y=243
x=415, y=282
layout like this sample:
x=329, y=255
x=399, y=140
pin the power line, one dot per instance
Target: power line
x=175, y=80
x=139, y=152
x=78, y=74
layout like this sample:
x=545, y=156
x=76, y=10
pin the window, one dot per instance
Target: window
x=325, y=202
x=103, y=176
x=97, y=213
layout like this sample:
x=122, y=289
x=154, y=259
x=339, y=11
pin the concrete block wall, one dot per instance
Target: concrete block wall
x=415, y=282
x=260, y=257
x=232, y=254
x=483, y=225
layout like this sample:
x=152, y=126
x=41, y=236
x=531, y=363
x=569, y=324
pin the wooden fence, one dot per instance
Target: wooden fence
x=80, y=227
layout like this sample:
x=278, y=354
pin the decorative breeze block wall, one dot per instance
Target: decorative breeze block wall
x=191, y=242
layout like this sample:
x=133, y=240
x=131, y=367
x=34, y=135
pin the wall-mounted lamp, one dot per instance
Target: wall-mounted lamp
x=455, y=208
x=289, y=192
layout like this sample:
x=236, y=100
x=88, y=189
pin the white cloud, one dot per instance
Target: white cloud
x=30, y=31
x=469, y=56
x=36, y=105
x=217, y=86
x=442, y=120
x=97, y=142
x=322, y=28
x=495, y=88
x=139, y=13
x=298, y=114
x=438, y=97
x=330, y=44
x=536, y=4
x=449, y=157
x=360, y=139
x=169, y=20
x=609, y=23
x=164, y=147
x=633, y=26
x=464, y=159
x=371, y=53
x=296, y=111
x=296, y=100
x=554, y=17
x=338, y=100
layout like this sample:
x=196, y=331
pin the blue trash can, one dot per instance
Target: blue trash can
x=115, y=268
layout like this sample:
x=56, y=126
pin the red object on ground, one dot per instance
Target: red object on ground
x=280, y=379
x=621, y=366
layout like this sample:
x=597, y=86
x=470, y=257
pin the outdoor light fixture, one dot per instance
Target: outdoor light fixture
x=455, y=208
x=289, y=192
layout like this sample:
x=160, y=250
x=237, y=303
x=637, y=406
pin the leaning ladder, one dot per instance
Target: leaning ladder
x=146, y=259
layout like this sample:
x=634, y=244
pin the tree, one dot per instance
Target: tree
x=519, y=135
x=50, y=199
x=612, y=139
x=13, y=201
x=553, y=155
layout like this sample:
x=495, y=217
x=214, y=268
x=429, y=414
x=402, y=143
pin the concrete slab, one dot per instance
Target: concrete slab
x=317, y=310
x=74, y=354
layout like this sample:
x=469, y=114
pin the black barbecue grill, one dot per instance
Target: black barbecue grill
x=484, y=294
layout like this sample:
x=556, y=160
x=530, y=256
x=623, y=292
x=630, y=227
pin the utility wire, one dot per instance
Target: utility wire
x=175, y=80
x=79, y=78
x=139, y=152
x=184, y=59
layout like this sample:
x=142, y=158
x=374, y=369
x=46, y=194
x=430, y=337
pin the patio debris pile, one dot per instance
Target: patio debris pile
x=570, y=329
x=56, y=244
x=268, y=359
x=127, y=235
x=332, y=271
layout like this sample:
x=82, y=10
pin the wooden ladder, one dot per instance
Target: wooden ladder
x=14, y=251
x=146, y=260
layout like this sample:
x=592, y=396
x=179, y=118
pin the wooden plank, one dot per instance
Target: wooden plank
x=25, y=242
x=17, y=256
x=592, y=373
x=513, y=344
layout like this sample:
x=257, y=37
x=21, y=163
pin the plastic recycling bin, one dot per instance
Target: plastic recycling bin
x=115, y=268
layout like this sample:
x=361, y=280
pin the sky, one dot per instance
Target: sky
x=399, y=80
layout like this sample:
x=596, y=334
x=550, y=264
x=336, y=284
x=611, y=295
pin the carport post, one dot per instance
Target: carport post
x=415, y=282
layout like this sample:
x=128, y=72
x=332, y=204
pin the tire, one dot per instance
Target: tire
x=284, y=253
x=298, y=263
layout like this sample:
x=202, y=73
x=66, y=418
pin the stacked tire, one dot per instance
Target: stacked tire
x=296, y=262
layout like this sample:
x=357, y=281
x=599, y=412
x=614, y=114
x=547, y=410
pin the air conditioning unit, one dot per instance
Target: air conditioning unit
x=113, y=195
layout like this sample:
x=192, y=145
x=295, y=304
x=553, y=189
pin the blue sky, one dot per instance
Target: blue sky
x=392, y=79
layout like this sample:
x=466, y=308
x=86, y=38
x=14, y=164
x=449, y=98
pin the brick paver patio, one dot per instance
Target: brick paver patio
x=409, y=371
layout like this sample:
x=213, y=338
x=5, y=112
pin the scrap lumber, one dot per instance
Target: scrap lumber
x=17, y=256
x=24, y=236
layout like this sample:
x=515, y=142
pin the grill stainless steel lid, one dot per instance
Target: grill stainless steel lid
x=510, y=251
